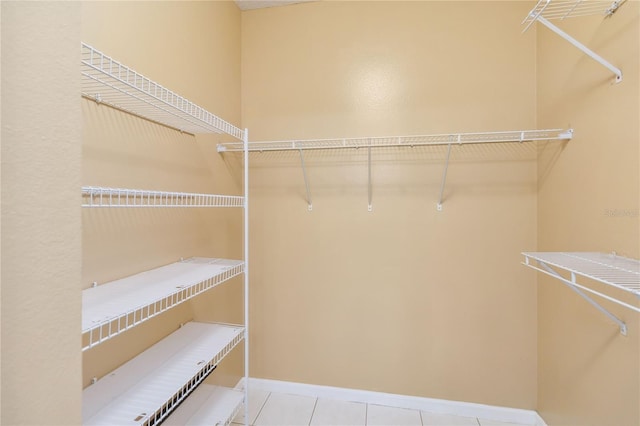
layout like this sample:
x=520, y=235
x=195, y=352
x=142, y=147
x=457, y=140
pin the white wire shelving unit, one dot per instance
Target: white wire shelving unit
x=444, y=139
x=145, y=390
x=618, y=272
x=108, y=81
x=95, y=196
x=112, y=308
x=546, y=10
x=207, y=405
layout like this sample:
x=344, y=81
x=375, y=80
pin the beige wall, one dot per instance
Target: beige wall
x=403, y=299
x=589, y=374
x=40, y=214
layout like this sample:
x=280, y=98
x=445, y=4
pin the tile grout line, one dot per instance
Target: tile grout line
x=313, y=411
x=260, y=410
x=366, y=414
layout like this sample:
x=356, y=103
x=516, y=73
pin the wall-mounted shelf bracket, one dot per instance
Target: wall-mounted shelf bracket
x=548, y=9
x=616, y=271
x=444, y=176
x=306, y=181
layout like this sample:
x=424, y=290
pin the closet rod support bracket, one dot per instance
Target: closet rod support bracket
x=573, y=285
x=593, y=55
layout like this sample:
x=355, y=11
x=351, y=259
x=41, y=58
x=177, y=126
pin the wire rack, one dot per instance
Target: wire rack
x=403, y=141
x=114, y=307
x=95, y=196
x=615, y=271
x=207, y=405
x=108, y=81
x=554, y=9
x=146, y=389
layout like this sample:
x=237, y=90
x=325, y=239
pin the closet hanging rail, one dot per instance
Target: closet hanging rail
x=615, y=271
x=402, y=141
x=562, y=9
x=448, y=139
x=95, y=196
x=106, y=80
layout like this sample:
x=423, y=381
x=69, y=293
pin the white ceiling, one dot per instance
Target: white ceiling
x=258, y=4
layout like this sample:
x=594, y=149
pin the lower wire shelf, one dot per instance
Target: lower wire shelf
x=114, y=307
x=145, y=390
x=207, y=405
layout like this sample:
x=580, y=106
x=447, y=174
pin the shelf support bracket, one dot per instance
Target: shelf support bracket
x=306, y=182
x=573, y=286
x=582, y=47
x=370, y=208
x=444, y=176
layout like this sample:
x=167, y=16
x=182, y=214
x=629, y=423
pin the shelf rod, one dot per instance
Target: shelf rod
x=306, y=182
x=582, y=47
x=444, y=178
x=370, y=208
x=245, y=142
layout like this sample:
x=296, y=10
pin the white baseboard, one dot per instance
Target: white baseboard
x=441, y=406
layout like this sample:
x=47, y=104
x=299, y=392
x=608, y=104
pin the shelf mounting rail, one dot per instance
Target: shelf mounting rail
x=562, y=9
x=447, y=139
x=96, y=196
x=616, y=271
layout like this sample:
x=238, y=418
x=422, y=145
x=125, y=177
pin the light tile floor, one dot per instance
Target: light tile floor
x=277, y=409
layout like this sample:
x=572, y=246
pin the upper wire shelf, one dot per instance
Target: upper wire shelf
x=95, y=196
x=570, y=8
x=108, y=81
x=402, y=141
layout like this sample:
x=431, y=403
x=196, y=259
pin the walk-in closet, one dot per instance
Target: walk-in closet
x=320, y=213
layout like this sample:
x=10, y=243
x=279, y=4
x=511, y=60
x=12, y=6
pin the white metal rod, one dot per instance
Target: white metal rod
x=444, y=178
x=572, y=285
x=306, y=181
x=245, y=136
x=582, y=47
x=370, y=208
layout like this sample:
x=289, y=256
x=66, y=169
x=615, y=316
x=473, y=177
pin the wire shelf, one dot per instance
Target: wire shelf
x=108, y=81
x=615, y=271
x=95, y=196
x=207, y=405
x=147, y=388
x=114, y=307
x=403, y=141
x=554, y=9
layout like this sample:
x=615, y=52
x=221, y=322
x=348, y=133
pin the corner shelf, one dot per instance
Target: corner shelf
x=106, y=80
x=207, y=405
x=144, y=390
x=563, y=9
x=112, y=308
x=615, y=271
x=95, y=196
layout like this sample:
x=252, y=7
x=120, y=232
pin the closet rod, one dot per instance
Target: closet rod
x=402, y=141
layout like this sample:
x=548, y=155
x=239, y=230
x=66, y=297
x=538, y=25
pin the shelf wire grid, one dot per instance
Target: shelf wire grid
x=115, y=307
x=95, y=196
x=554, y=9
x=617, y=271
x=108, y=81
x=208, y=404
x=180, y=363
x=402, y=141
